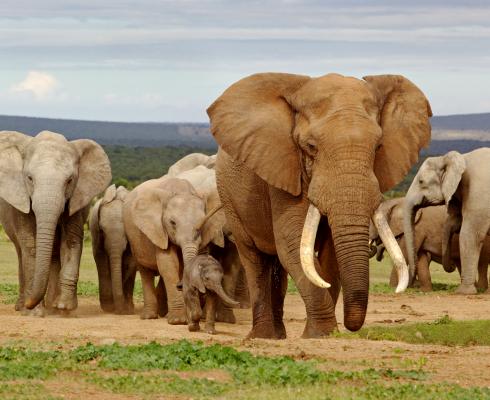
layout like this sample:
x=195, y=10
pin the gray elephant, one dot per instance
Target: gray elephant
x=191, y=161
x=166, y=223
x=461, y=182
x=203, y=277
x=116, y=267
x=429, y=224
x=203, y=179
x=46, y=185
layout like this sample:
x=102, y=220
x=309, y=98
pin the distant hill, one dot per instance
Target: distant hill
x=145, y=134
x=463, y=132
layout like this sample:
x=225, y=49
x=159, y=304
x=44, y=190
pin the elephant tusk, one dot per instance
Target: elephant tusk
x=208, y=215
x=393, y=248
x=307, y=246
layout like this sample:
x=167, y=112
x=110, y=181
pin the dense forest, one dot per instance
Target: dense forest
x=132, y=165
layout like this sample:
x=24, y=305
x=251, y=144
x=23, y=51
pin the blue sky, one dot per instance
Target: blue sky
x=151, y=60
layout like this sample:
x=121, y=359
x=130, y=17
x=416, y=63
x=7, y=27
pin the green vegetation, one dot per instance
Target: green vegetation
x=443, y=331
x=133, y=165
x=185, y=368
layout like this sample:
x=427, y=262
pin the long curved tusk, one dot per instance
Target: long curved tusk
x=307, y=247
x=393, y=248
x=208, y=215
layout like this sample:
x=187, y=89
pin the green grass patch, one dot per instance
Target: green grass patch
x=444, y=331
x=9, y=293
x=25, y=390
x=200, y=371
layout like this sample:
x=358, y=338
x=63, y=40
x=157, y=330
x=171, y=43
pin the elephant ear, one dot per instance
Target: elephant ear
x=110, y=194
x=214, y=227
x=12, y=187
x=453, y=167
x=404, y=114
x=122, y=193
x=94, y=173
x=196, y=276
x=253, y=122
x=147, y=212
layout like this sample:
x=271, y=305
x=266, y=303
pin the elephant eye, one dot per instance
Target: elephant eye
x=29, y=178
x=311, y=147
x=172, y=222
x=70, y=180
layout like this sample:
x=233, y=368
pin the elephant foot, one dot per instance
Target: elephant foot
x=466, y=289
x=176, y=318
x=319, y=329
x=226, y=315
x=108, y=308
x=210, y=329
x=263, y=331
x=280, y=330
x=38, y=311
x=425, y=288
x=194, y=327
x=66, y=302
x=148, y=314
x=19, y=305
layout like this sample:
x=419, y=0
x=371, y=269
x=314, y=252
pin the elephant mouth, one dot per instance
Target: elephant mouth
x=307, y=253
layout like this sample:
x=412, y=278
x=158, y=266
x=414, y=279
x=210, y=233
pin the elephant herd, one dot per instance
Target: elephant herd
x=295, y=189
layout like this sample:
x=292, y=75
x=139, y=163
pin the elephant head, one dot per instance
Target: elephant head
x=435, y=183
x=45, y=174
x=109, y=237
x=206, y=273
x=337, y=141
x=177, y=213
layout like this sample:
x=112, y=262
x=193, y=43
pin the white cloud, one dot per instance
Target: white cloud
x=40, y=85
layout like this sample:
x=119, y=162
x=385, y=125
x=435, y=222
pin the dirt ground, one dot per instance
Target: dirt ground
x=466, y=366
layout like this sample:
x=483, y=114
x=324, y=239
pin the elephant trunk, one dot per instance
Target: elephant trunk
x=410, y=208
x=47, y=208
x=218, y=289
x=447, y=235
x=189, y=251
x=348, y=205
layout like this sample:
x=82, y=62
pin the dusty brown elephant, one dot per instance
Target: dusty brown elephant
x=296, y=151
x=461, y=182
x=46, y=186
x=429, y=227
x=166, y=225
x=116, y=267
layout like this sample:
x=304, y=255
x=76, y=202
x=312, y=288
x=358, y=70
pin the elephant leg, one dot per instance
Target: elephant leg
x=106, y=299
x=71, y=252
x=258, y=272
x=423, y=272
x=393, y=277
x=320, y=307
x=193, y=309
x=150, y=302
x=169, y=268
x=19, y=305
x=53, y=291
x=482, y=283
x=129, y=277
x=211, y=301
x=162, y=298
x=279, y=285
x=231, y=269
x=329, y=266
x=471, y=238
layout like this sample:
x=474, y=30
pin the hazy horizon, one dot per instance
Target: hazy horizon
x=166, y=61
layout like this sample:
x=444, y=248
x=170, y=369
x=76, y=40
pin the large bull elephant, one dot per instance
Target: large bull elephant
x=461, y=182
x=300, y=170
x=46, y=185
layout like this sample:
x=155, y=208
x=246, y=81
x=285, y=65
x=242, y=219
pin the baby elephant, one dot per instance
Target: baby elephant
x=203, y=276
